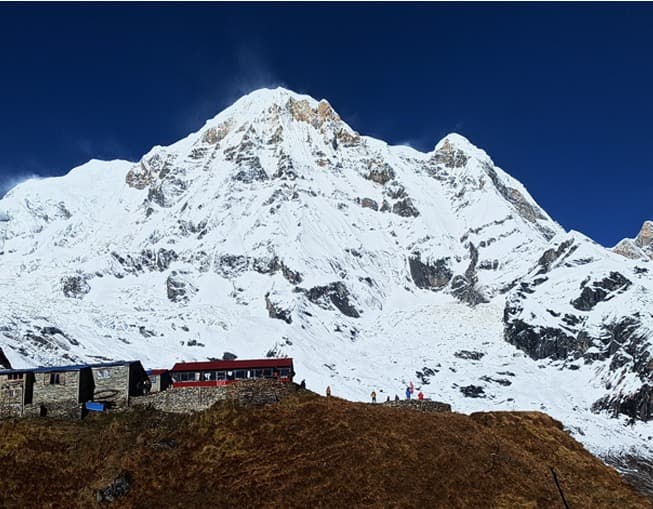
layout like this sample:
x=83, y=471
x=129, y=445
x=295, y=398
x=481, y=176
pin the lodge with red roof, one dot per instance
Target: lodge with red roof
x=216, y=373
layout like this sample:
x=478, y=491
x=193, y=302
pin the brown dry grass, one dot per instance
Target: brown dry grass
x=306, y=451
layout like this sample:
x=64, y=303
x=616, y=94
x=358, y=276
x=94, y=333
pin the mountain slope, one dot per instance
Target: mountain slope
x=307, y=451
x=276, y=229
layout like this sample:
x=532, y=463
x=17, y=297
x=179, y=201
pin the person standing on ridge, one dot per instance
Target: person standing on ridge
x=373, y=396
x=328, y=391
x=407, y=392
x=420, y=396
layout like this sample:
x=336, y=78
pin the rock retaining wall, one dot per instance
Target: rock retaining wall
x=195, y=399
x=426, y=405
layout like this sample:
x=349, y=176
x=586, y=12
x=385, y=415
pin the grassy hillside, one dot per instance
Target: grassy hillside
x=305, y=451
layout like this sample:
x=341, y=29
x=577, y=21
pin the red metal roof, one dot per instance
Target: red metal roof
x=238, y=364
x=156, y=371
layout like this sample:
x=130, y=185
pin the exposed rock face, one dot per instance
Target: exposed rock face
x=213, y=135
x=600, y=291
x=604, y=324
x=450, y=156
x=75, y=286
x=230, y=266
x=645, y=236
x=639, y=247
x=434, y=276
x=527, y=210
x=638, y=405
x=465, y=287
x=336, y=294
x=179, y=289
x=368, y=203
x=380, y=172
x=473, y=391
x=629, y=249
x=275, y=309
x=405, y=208
x=542, y=342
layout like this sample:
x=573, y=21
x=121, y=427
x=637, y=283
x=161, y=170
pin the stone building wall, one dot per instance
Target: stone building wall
x=111, y=385
x=69, y=409
x=195, y=399
x=160, y=382
x=62, y=399
x=67, y=389
x=11, y=396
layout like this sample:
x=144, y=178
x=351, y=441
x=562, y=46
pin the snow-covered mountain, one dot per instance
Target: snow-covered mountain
x=276, y=229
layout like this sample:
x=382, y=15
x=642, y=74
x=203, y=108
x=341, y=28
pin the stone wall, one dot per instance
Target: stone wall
x=66, y=390
x=70, y=409
x=11, y=396
x=111, y=385
x=8, y=409
x=195, y=399
x=426, y=405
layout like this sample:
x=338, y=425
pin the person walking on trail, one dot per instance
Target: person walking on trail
x=373, y=396
x=420, y=396
x=328, y=391
x=303, y=384
x=396, y=397
x=407, y=392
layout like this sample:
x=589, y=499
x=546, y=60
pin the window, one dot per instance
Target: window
x=267, y=372
x=241, y=374
x=153, y=378
x=15, y=376
x=284, y=372
x=220, y=375
x=12, y=393
x=56, y=379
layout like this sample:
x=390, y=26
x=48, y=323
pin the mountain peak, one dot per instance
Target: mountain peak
x=641, y=247
x=645, y=236
x=454, y=143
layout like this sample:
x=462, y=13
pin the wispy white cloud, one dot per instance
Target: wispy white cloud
x=103, y=148
x=10, y=180
x=252, y=71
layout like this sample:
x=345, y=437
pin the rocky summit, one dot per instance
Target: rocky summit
x=277, y=229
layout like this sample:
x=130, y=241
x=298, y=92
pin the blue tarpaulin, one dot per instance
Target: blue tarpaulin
x=95, y=406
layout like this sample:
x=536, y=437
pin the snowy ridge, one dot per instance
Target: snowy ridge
x=276, y=229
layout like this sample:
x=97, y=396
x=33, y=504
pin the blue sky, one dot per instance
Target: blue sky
x=559, y=95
